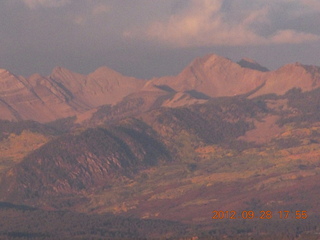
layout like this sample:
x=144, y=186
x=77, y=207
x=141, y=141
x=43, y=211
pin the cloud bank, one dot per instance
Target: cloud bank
x=147, y=38
x=229, y=23
x=32, y=4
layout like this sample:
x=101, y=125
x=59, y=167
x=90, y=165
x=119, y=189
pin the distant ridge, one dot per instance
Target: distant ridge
x=65, y=93
x=61, y=94
x=249, y=63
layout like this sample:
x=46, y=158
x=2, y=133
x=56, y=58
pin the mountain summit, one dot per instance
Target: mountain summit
x=219, y=135
x=61, y=94
x=214, y=76
x=65, y=93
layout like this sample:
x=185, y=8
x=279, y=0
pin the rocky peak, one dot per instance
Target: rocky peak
x=60, y=73
x=5, y=74
x=3, y=71
x=291, y=68
x=209, y=61
x=101, y=71
x=9, y=81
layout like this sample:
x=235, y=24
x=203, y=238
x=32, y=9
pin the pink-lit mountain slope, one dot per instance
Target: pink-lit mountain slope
x=64, y=93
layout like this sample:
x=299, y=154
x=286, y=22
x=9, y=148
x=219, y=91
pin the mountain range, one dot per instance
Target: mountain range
x=64, y=93
x=219, y=136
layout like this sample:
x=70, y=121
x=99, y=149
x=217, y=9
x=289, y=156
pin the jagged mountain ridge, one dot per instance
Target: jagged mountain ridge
x=217, y=76
x=64, y=93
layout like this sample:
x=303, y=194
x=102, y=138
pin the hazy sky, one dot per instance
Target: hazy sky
x=149, y=38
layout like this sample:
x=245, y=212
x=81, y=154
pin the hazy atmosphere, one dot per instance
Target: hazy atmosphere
x=159, y=119
x=149, y=38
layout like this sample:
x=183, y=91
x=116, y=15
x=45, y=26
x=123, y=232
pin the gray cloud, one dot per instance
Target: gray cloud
x=146, y=38
x=32, y=4
x=242, y=22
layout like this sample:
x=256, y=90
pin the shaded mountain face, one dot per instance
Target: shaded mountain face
x=249, y=63
x=81, y=162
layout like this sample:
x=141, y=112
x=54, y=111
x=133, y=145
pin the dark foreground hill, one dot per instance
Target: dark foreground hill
x=81, y=162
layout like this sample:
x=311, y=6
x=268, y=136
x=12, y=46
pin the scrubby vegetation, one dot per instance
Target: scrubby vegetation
x=22, y=222
x=57, y=127
x=18, y=223
x=169, y=163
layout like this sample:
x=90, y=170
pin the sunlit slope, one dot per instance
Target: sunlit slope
x=65, y=93
x=14, y=148
x=18, y=139
x=181, y=164
x=273, y=165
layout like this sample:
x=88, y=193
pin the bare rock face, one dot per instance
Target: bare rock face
x=36, y=99
x=65, y=93
x=290, y=76
x=214, y=76
x=62, y=94
x=108, y=86
x=103, y=86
